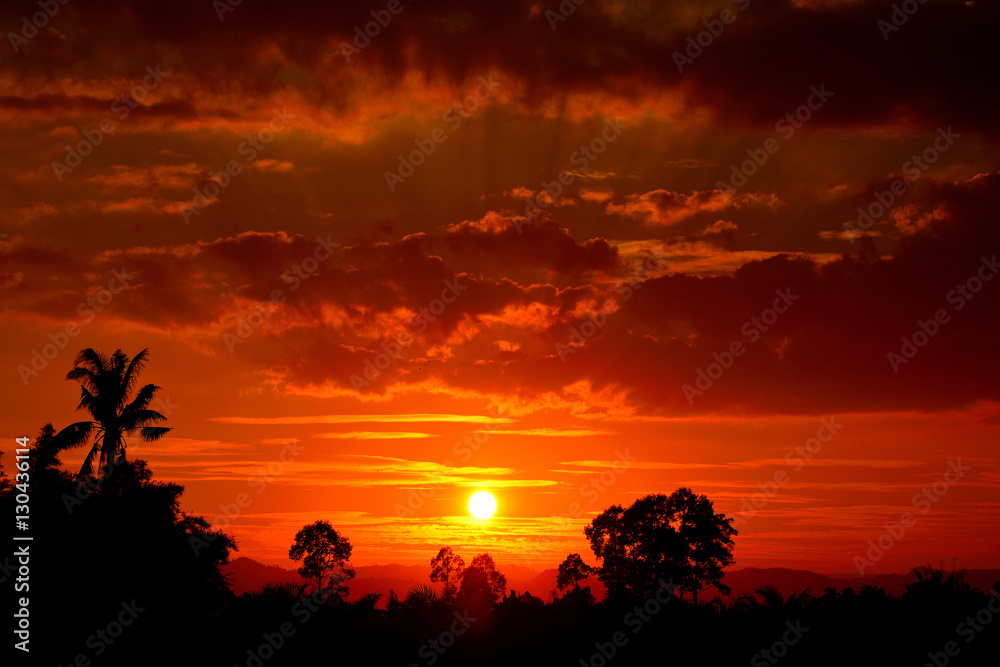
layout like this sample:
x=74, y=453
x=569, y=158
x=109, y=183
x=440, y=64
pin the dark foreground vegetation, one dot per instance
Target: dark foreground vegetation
x=121, y=576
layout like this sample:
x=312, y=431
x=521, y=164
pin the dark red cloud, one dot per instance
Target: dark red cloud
x=760, y=68
x=829, y=351
x=541, y=244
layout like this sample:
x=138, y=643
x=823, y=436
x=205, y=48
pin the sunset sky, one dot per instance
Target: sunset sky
x=569, y=258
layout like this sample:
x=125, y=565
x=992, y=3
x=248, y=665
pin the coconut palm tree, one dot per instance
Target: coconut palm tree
x=106, y=389
x=421, y=597
x=772, y=597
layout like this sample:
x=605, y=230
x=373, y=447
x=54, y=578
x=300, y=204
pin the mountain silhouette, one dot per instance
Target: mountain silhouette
x=246, y=575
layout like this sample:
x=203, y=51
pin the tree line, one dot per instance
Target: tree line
x=111, y=538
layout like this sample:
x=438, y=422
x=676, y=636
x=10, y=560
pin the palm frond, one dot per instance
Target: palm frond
x=129, y=423
x=106, y=387
x=421, y=592
x=131, y=375
x=88, y=463
x=89, y=402
x=92, y=360
x=74, y=435
x=392, y=602
x=141, y=401
x=771, y=595
x=368, y=600
x=85, y=376
x=151, y=433
x=118, y=360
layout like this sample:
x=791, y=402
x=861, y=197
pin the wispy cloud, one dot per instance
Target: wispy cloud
x=755, y=463
x=361, y=419
x=551, y=432
x=375, y=435
x=358, y=471
x=185, y=446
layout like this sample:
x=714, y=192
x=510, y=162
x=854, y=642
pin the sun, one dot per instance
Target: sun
x=482, y=505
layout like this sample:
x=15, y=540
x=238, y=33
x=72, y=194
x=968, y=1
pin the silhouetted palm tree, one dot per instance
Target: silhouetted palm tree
x=420, y=597
x=106, y=388
x=367, y=602
x=284, y=593
x=392, y=604
x=746, y=602
x=772, y=597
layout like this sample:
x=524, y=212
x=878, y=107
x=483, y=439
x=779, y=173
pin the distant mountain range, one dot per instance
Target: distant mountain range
x=246, y=574
x=789, y=581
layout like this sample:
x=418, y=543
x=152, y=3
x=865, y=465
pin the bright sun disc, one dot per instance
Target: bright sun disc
x=482, y=505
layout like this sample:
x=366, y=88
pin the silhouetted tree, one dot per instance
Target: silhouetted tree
x=283, y=594
x=420, y=597
x=367, y=602
x=105, y=392
x=323, y=552
x=121, y=539
x=936, y=589
x=447, y=568
x=5, y=484
x=572, y=571
x=482, y=585
x=771, y=596
x=677, y=537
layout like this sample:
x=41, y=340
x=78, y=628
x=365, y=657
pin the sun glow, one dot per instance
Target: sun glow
x=482, y=505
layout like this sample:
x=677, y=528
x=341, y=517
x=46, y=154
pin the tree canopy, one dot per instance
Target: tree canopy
x=572, y=571
x=106, y=389
x=678, y=537
x=482, y=584
x=323, y=552
x=447, y=568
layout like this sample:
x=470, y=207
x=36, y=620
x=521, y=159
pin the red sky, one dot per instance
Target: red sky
x=560, y=328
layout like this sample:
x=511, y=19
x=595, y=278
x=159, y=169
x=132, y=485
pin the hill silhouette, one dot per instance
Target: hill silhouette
x=246, y=575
